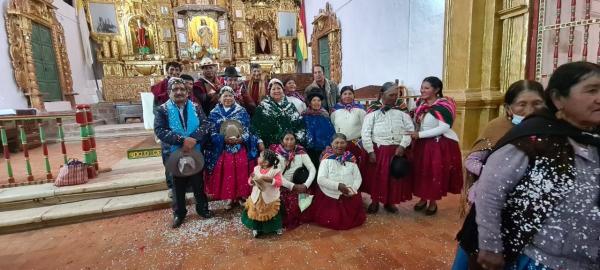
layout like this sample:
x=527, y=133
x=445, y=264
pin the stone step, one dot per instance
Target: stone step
x=74, y=212
x=126, y=177
x=112, y=131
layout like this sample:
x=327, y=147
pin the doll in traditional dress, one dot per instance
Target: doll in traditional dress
x=262, y=213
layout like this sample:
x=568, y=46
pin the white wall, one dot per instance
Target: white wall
x=385, y=40
x=83, y=76
x=10, y=96
x=83, y=79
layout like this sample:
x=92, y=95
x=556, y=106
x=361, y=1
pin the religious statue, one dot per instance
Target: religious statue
x=142, y=38
x=261, y=42
x=205, y=35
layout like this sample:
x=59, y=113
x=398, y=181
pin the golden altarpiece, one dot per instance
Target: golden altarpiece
x=135, y=39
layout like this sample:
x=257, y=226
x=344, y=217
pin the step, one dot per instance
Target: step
x=74, y=212
x=126, y=177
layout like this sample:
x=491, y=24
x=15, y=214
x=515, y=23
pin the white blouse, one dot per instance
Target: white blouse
x=332, y=173
x=432, y=127
x=298, y=103
x=299, y=160
x=348, y=123
x=390, y=128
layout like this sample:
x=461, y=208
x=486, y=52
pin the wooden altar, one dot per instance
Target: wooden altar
x=136, y=39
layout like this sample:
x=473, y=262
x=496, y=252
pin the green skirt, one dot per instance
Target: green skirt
x=271, y=226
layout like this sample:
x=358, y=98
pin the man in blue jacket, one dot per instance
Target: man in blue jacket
x=181, y=124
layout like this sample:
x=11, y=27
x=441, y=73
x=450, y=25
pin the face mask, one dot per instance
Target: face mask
x=516, y=119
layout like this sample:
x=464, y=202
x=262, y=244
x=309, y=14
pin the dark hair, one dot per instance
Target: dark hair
x=174, y=64
x=317, y=65
x=565, y=77
x=346, y=88
x=286, y=80
x=387, y=86
x=186, y=77
x=271, y=157
x=288, y=132
x=518, y=87
x=339, y=136
x=436, y=83
x=253, y=66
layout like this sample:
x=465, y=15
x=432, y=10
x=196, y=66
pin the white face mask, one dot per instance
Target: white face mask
x=516, y=119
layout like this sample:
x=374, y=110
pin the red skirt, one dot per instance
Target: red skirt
x=436, y=168
x=379, y=184
x=341, y=214
x=229, y=179
x=361, y=156
x=291, y=216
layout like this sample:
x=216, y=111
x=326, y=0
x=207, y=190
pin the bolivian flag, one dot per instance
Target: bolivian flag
x=301, y=51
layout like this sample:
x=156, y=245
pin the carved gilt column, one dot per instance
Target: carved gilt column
x=485, y=51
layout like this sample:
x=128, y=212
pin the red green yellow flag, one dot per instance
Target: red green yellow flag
x=301, y=50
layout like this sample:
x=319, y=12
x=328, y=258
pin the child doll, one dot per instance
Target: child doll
x=262, y=213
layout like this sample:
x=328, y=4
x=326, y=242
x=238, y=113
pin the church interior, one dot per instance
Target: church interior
x=75, y=73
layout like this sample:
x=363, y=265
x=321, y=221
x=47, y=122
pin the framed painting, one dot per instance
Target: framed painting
x=104, y=18
x=286, y=26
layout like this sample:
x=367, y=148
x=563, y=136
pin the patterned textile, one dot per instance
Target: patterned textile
x=348, y=106
x=288, y=155
x=330, y=154
x=443, y=109
x=377, y=105
x=271, y=120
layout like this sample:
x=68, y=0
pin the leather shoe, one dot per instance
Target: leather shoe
x=420, y=206
x=431, y=212
x=177, y=221
x=373, y=208
x=391, y=208
x=206, y=214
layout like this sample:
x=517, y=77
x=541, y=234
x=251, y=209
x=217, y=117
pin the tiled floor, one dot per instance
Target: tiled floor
x=407, y=240
x=109, y=152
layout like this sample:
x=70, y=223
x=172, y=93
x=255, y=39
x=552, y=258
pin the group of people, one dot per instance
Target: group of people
x=536, y=179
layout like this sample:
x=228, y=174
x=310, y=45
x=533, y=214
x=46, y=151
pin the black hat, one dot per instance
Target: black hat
x=182, y=164
x=313, y=94
x=300, y=175
x=230, y=72
x=399, y=167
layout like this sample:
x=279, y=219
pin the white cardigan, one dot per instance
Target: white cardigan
x=390, y=128
x=271, y=192
x=332, y=173
x=432, y=127
x=299, y=160
x=347, y=122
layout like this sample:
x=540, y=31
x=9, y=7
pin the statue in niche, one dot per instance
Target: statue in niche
x=142, y=38
x=205, y=34
x=261, y=42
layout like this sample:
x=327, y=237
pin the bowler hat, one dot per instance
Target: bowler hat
x=184, y=164
x=399, y=167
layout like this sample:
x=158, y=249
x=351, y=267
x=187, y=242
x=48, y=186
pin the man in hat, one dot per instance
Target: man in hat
x=182, y=125
x=231, y=77
x=257, y=85
x=385, y=134
x=206, y=89
x=161, y=94
x=324, y=86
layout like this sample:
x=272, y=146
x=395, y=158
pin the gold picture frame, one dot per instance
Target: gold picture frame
x=103, y=18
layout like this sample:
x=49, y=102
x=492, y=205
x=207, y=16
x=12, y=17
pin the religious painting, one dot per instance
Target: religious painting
x=181, y=37
x=167, y=33
x=286, y=24
x=104, y=18
x=203, y=31
x=164, y=10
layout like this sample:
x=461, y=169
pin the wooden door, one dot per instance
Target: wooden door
x=44, y=59
x=325, y=56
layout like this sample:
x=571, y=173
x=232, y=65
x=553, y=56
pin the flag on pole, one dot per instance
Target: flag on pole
x=301, y=50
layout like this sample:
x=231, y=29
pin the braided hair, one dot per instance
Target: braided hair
x=271, y=157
